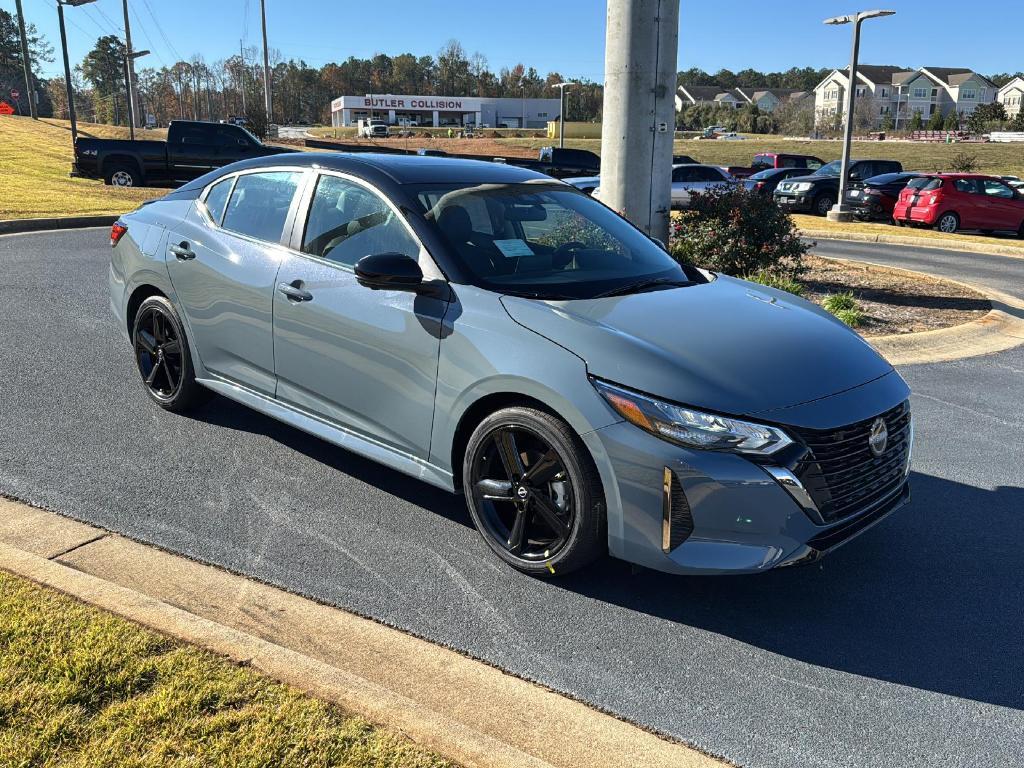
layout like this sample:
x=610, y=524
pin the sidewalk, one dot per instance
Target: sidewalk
x=463, y=709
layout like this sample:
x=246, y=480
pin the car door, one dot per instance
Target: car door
x=1001, y=205
x=194, y=152
x=681, y=182
x=968, y=204
x=223, y=260
x=363, y=359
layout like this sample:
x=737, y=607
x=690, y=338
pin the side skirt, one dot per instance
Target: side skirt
x=343, y=438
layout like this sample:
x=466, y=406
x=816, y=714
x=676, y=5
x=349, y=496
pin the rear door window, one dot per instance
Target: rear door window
x=259, y=204
x=970, y=186
x=996, y=188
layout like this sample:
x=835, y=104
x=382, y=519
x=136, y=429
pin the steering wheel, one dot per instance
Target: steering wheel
x=564, y=253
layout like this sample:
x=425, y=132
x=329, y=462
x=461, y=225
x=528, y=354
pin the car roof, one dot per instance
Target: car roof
x=402, y=169
x=696, y=165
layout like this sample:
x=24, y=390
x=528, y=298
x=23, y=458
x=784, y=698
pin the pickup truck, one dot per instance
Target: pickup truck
x=817, y=192
x=192, y=149
x=373, y=129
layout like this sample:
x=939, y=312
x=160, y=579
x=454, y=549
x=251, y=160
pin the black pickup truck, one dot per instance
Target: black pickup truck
x=192, y=149
x=818, y=192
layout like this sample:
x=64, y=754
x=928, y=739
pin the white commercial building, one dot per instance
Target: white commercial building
x=440, y=111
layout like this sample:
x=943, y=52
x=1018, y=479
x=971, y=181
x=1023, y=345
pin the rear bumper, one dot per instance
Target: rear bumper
x=919, y=215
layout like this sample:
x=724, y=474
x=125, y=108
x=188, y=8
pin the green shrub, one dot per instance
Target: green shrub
x=737, y=232
x=839, y=302
x=776, y=281
x=852, y=317
x=964, y=163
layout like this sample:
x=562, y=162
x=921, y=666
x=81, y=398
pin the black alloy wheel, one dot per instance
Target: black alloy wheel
x=533, y=493
x=162, y=356
x=823, y=204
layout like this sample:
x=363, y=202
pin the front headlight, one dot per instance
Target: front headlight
x=802, y=186
x=690, y=427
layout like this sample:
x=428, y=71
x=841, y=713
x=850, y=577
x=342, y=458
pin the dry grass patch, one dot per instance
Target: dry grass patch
x=806, y=222
x=82, y=688
x=35, y=159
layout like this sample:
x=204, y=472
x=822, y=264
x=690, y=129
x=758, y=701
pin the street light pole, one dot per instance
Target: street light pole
x=26, y=64
x=67, y=66
x=841, y=211
x=128, y=59
x=561, y=110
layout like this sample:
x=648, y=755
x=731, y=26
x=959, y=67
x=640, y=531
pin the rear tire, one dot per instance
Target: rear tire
x=163, y=357
x=823, y=204
x=1020, y=231
x=552, y=478
x=948, y=223
x=123, y=175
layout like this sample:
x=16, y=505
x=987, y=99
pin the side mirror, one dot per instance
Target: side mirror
x=389, y=271
x=660, y=243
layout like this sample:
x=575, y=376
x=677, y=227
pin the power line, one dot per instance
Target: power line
x=141, y=27
x=160, y=31
x=116, y=27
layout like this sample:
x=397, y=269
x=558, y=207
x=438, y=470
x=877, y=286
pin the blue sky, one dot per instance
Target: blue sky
x=561, y=35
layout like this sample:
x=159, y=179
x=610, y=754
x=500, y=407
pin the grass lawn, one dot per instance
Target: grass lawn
x=35, y=159
x=80, y=687
x=993, y=158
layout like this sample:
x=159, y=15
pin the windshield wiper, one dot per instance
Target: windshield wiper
x=641, y=285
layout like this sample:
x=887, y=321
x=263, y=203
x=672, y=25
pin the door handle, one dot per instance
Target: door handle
x=182, y=252
x=294, y=291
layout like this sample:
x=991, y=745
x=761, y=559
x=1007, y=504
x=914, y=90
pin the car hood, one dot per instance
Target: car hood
x=729, y=345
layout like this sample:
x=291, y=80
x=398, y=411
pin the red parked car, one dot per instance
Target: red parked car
x=952, y=201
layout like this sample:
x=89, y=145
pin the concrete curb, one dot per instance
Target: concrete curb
x=944, y=243
x=458, y=707
x=15, y=226
x=1000, y=329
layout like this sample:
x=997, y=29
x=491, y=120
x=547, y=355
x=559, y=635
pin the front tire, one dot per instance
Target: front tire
x=948, y=223
x=534, y=493
x=823, y=204
x=163, y=357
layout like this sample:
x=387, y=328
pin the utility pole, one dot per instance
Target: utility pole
x=30, y=92
x=133, y=97
x=266, y=64
x=639, y=111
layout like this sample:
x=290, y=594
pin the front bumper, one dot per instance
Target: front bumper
x=797, y=202
x=687, y=511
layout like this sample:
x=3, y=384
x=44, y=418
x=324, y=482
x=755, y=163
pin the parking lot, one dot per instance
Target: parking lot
x=900, y=649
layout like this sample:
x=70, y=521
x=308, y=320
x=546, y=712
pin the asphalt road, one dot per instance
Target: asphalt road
x=902, y=649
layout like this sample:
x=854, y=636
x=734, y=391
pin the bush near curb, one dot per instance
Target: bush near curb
x=738, y=232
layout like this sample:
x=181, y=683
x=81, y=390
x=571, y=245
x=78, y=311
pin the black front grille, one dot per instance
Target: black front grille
x=841, y=473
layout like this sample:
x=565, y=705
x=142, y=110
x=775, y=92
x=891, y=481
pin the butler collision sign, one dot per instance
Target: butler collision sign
x=443, y=110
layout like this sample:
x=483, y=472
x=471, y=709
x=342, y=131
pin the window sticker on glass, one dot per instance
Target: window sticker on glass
x=513, y=248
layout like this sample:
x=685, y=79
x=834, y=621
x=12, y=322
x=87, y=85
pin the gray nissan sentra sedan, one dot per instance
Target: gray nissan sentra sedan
x=497, y=333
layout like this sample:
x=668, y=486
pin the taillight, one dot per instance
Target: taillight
x=934, y=199
x=117, y=231
x=759, y=185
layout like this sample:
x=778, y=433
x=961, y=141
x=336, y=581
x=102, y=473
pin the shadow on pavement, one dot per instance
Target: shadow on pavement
x=227, y=413
x=931, y=598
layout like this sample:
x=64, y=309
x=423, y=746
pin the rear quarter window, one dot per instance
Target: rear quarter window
x=217, y=199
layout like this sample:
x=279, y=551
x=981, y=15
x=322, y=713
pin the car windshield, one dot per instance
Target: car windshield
x=829, y=169
x=546, y=240
x=767, y=173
